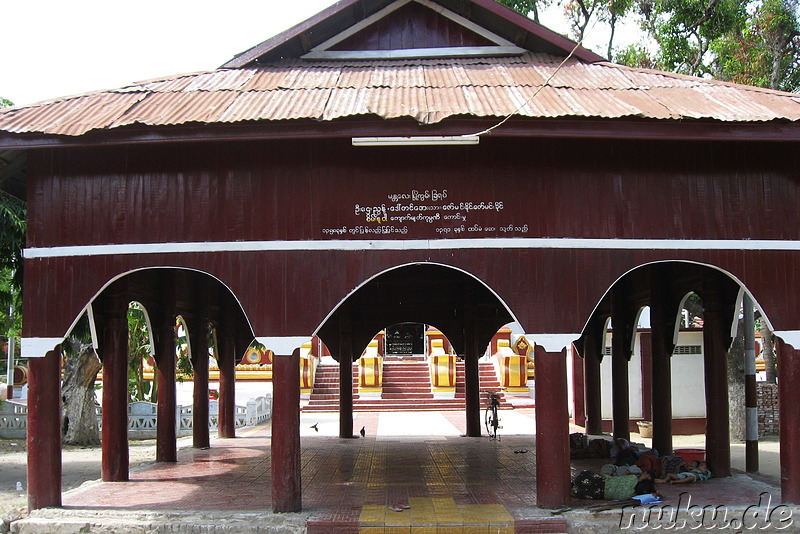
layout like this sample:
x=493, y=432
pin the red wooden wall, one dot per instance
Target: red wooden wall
x=308, y=191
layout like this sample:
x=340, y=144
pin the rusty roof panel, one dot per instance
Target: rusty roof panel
x=177, y=108
x=643, y=105
x=525, y=75
x=317, y=79
x=274, y=105
x=220, y=80
x=73, y=116
x=547, y=102
x=696, y=107
x=405, y=76
x=427, y=90
x=356, y=77
x=498, y=75
x=164, y=85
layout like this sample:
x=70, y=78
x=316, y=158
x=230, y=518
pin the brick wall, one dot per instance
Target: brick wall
x=768, y=414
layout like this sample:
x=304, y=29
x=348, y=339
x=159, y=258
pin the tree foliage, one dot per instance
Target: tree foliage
x=527, y=7
x=139, y=353
x=766, y=52
x=753, y=42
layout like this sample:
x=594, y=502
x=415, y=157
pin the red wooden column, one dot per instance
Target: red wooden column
x=789, y=399
x=166, y=434
x=662, y=324
x=592, y=350
x=472, y=393
x=472, y=386
x=114, y=349
x=198, y=335
x=226, y=359
x=345, y=376
x=285, y=455
x=44, y=430
x=552, y=429
x=620, y=356
x=715, y=358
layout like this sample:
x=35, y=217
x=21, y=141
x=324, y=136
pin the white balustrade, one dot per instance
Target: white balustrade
x=143, y=417
x=13, y=420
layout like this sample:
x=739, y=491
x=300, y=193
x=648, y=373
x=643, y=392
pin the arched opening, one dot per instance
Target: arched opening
x=427, y=293
x=160, y=296
x=669, y=370
x=465, y=310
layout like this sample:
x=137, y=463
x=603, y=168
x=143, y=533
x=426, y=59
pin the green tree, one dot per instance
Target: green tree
x=527, y=7
x=12, y=241
x=580, y=13
x=686, y=31
x=766, y=52
x=5, y=103
x=139, y=352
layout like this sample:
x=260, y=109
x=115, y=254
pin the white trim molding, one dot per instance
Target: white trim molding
x=283, y=345
x=790, y=337
x=553, y=342
x=38, y=347
x=412, y=244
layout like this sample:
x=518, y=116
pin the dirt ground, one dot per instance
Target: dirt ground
x=79, y=465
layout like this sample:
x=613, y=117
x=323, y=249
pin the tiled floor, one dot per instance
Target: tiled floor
x=450, y=483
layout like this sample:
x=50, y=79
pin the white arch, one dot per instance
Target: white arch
x=38, y=347
x=373, y=277
x=742, y=289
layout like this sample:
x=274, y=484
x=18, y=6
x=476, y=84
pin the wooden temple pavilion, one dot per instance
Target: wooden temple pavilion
x=448, y=162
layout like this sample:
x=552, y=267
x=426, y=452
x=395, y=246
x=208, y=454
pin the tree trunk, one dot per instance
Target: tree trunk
x=736, y=398
x=79, y=422
x=768, y=352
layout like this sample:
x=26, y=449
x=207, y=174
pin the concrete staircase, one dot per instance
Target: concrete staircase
x=406, y=387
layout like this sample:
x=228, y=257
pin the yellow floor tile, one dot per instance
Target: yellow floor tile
x=373, y=514
x=398, y=519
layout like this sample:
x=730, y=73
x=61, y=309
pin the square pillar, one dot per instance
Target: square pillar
x=592, y=354
x=552, y=429
x=226, y=360
x=114, y=350
x=789, y=399
x=198, y=335
x=285, y=449
x=166, y=421
x=715, y=359
x=44, y=431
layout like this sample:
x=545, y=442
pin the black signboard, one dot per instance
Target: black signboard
x=405, y=338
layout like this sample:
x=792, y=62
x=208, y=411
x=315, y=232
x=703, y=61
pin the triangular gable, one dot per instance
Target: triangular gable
x=481, y=23
x=413, y=29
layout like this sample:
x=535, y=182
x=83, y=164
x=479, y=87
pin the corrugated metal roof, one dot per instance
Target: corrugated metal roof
x=427, y=90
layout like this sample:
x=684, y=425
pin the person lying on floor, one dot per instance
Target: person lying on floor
x=700, y=473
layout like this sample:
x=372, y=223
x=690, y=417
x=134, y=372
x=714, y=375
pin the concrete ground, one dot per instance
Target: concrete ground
x=452, y=484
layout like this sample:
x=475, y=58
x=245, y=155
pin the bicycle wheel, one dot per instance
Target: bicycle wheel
x=491, y=422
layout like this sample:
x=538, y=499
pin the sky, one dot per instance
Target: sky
x=55, y=48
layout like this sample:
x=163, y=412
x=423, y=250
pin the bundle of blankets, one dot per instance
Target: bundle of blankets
x=634, y=472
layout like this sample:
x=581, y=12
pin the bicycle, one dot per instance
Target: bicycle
x=491, y=419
